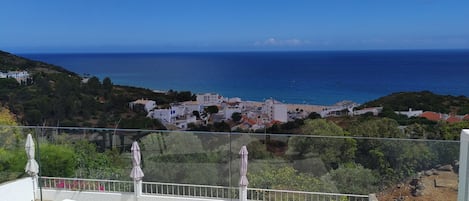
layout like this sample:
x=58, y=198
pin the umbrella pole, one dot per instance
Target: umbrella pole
x=34, y=186
x=137, y=188
x=243, y=193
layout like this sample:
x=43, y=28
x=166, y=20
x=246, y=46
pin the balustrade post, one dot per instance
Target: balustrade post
x=463, y=188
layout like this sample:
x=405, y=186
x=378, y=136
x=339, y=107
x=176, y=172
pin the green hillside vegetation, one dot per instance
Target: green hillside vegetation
x=425, y=100
x=10, y=62
x=57, y=97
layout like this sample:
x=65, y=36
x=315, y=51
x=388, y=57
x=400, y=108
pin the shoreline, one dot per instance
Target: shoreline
x=293, y=106
x=306, y=108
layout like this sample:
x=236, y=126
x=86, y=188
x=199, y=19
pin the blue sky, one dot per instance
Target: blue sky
x=223, y=25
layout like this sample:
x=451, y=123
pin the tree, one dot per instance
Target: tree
x=184, y=96
x=221, y=127
x=451, y=131
x=9, y=137
x=382, y=127
x=57, y=160
x=33, y=117
x=196, y=114
x=107, y=87
x=7, y=118
x=285, y=178
x=416, y=131
x=332, y=151
x=353, y=178
x=177, y=158
x=393, y=158
x=92, y=164
x=12, y=164
x=314, y=115
x=212, y=109
x=236, y=116
x=93, y=85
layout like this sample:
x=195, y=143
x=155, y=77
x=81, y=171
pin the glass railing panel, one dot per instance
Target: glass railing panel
x=348, y=165
x=208, y=164
x=186, y=157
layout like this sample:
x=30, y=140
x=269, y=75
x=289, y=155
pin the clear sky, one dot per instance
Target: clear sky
x=32, y=26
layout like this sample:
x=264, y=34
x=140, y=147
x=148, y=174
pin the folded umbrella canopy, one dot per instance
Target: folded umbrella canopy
x=32, y=168
x=136, y=173
x=243, y=181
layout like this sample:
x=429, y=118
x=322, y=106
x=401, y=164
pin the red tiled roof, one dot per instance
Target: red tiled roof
x=453, y=119
x=432, y=116
x=249, y=121
x=466, y=117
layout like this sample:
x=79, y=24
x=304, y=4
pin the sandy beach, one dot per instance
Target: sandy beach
x=306, y=108
x=292, y=107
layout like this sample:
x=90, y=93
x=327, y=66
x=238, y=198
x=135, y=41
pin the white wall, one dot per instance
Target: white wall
x=193, y=107
x=164, y=115
x=59, y=195
x=18, y=190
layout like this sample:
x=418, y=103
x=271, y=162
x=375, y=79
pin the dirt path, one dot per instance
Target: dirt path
x=446, y=189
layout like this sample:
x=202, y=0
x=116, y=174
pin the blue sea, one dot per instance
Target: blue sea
x=313, y=77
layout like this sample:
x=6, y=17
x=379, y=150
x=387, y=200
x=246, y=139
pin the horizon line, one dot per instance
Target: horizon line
x=241, y=51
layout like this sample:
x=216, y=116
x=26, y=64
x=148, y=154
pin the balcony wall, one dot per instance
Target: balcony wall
x=59, y=195
x=20, y=190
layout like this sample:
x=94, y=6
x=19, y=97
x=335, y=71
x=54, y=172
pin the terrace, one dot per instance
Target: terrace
x=206, y=166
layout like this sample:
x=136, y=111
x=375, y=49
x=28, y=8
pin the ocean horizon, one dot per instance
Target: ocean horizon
x=303, y=77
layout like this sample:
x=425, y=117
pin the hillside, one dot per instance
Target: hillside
x=54, y=96
x=424, y=100
x=11, y=62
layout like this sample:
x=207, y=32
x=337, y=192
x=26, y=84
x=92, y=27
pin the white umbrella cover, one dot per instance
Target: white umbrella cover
x=32, y=168
x=136, y=173
x=244, y=166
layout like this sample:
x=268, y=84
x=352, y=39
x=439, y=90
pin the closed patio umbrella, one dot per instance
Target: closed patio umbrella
x=136, y=173
x=32, y=168
x=243, y=181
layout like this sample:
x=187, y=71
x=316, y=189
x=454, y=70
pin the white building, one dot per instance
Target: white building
x=148, y=104
x=164, y=115
x=275, y=110
x=340, y=109
x=177, y=114
x=208, y=99
x=178, y=110
x=279, y=113
x=19, y=76
x=192, y=106
x=231, y=107
x=410, y=113
x=234, y=100
x=183, y=123
x=373, y=110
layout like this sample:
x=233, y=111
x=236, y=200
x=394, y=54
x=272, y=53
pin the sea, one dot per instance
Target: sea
x=303, y=77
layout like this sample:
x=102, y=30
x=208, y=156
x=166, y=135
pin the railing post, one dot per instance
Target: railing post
x=463, y=188
x=372, y=197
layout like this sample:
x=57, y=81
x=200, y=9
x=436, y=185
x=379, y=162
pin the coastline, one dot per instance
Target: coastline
x=306, y=108
x=293, y=106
